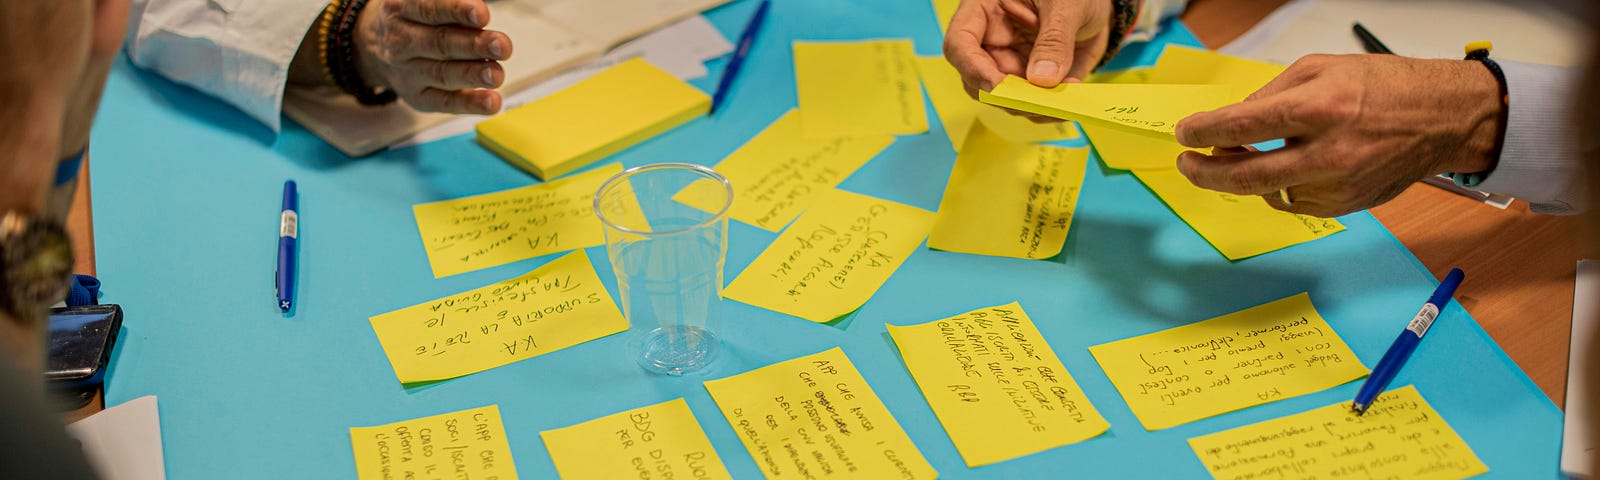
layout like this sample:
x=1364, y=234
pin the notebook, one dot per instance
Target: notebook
x=547, y=37
x=599, y=116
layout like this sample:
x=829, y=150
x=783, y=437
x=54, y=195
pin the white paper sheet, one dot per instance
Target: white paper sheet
x=1577, y=449
x=124, y=442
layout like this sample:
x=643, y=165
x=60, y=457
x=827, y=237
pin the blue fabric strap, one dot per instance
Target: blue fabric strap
x=85, y=290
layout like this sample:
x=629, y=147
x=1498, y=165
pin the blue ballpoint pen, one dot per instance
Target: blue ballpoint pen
x=737, y=60
x=288, y=231
x=1407, y=343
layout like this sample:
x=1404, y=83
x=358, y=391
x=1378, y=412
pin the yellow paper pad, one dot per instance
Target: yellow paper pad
x=1262, y=354
x=658, y=441
x=1149, y=110
x=1238, y=226
x=833, y=258
x=601, y=115
x=559, y=305
x=497, y=228
x=1007, y=199
x=1401, y=436
x=958, y=112
x=858, y=88
x=777, y=174
x=1180, y=64
x=1129, y=151
x=814, y=417
x=465, y=444
x=995, y=384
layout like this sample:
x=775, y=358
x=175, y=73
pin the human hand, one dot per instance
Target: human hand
x=1358, y=130
x=1045, y=41
x=45, y=45
x=435, y=54
x=109, y=21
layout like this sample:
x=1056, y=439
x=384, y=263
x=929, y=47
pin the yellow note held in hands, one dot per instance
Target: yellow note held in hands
x=833, y=258
x=1401, y=436
x=996, y=386
x=958, y=112
x=777, y=174
x=469, y=444
x=601, y=115
x=1180, y=64
x=814, y=417
x=858, y=88
x=1130, y=151
x=559, y=305
x=658, y=441
x=1149, y=110
x=1258, y=355
x=1008, y=199
x=1238, y=226
x=493, y=229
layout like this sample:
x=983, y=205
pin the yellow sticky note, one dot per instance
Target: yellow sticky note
x=814, y=417
x=996, y=386
x=1180, y=64
x=497, y=228
x=1238, y=226
x=1007, y=199
x=958, y=112
x=467, y=444
x=658, y=441
x=1149, y=110
x=601, y=115
x=943, y=10
x=1262, y=354
x=777, y=174
x=1132, y=75
x=1129, y=151
x=1401, y=436
x=833, y=258
x=556, y=306
x=858, y=88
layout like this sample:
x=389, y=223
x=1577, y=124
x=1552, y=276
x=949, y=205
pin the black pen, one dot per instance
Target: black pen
x=1369, y=42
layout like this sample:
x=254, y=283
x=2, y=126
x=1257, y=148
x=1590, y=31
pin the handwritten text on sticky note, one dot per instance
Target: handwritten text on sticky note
x=996, y=386
x=559, y=305
x=1257, y=355
x=833, y=258
x=658, y=441
x=814, y=417
x=856, y=88
x=778, y=174
x=1150, y=110
x=483, y=231
x=1401, y=436
x=1008, y=199
x=465, y=444
x=1238, y=226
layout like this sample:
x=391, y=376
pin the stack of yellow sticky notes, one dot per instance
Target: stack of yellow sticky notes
x=599, y=116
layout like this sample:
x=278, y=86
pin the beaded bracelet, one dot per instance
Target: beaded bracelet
x=1479, y=51
x=324, y=28
x=1124, y=13
x=342, y=50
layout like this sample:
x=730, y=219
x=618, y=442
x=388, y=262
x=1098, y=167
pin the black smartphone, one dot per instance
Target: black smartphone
x=81, y=339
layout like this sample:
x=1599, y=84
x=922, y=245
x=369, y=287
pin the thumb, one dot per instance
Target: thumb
x=1053, y=48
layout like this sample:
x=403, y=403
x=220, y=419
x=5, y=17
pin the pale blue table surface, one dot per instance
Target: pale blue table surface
x=186, y=193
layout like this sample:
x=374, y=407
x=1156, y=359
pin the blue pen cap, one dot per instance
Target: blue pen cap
x=1447, y=288
x=289, y=195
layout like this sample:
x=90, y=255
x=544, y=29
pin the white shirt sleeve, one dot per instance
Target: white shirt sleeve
x=1540, y=161
x=236, y=50
x=1151, y=13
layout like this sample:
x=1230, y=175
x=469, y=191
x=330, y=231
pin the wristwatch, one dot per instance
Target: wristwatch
x=35, y=266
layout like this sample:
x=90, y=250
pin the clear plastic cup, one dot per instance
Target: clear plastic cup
x=668, y=259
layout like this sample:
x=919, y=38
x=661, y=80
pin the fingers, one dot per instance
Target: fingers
x=963, y=47
x=1252, y=173
x=481, y=102
x=1056, y=43
x=455, y=75
x=1087, y=56
x=468, y=13
x=1244, y=123
x=447, y=42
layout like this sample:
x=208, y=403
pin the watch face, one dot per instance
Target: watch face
x=35, y=263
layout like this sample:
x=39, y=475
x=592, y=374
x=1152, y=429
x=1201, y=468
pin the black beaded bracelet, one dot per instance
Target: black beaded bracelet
x=1479, y=51
x=342, y=61
x=1124, y=13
